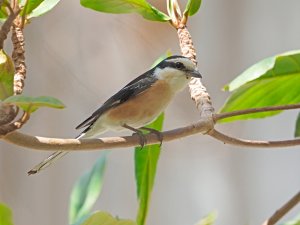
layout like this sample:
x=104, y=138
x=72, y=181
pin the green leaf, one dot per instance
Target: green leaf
x=5, y=215
x=104, y=218
x=141, y=7
x=31, y=104
x=210, y=219
x=145, y=170
x=192, y=7
x=273, y=81
x=6, y=76
x=40, y=7
x=86, y=191
x=3, y=14
x=30, y=5
x=295, y=221
x=146, y=163
x=297, y=129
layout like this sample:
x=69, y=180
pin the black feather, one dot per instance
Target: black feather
x=135, y=87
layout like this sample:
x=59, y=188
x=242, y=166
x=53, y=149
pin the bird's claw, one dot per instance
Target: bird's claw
x=142, y=138
x=156, y=132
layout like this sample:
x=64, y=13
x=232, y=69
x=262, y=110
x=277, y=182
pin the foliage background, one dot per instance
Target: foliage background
x=82, y=57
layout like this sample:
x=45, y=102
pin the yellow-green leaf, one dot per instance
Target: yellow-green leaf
x=31, y=104
x=3, y=14
x=5, y=215
x=104, y=218
x=141, y=7
x=86, y=191
x=192, y=7
x=273, y=81
x=210, y=219
x=145, y=169
x=30, y=5
x=145, y=165
x=295, y=221
x=6, y=76
x=35, y=8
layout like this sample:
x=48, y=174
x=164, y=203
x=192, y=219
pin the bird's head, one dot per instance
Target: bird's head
x=177, y=71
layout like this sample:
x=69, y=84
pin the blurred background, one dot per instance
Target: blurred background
x=82, y=57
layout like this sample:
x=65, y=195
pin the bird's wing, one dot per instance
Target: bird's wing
x=132, y=89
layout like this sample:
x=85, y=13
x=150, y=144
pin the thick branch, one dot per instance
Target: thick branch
x=283, y=210
x=197, y=90
x=18, y=56
x=252, y=143
x=203, y=127
x=220, y=116
x=52, y=144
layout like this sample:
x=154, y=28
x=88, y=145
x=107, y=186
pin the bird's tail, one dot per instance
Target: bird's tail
x=50, y=159
x=47, y=162
x=87, y=133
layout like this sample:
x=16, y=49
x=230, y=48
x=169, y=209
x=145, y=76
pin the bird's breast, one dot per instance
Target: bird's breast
x=143, y=108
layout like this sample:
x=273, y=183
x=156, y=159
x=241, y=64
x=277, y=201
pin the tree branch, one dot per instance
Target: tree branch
x=220, y=116
x=7, y=25
x=203, y=127
x=8, y=128
x=55, y=144
x=283, y=210
x=18, y=56
x=252, y=143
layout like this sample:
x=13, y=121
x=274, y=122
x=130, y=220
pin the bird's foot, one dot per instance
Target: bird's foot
x=140, y=134
x=156, y=132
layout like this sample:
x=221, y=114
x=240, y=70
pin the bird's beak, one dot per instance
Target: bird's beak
x=194, y=73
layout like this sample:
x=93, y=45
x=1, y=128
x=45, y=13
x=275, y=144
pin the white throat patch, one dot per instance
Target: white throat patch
x=175, y=78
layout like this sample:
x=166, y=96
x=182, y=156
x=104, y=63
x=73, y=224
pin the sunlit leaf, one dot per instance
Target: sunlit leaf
x=141, y=7
x=273, y=81
x=42, y=8
x=6, y=76
x=295, y=221
x=86, y=191
x=210, y=219
x=145, y=169
x=30, y=5
x=5, y=215
x=3, y=14
x=297, y=129
x=104, y=218
x=31, y=104
x=192, y=7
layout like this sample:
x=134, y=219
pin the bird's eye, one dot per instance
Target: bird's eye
x=179, y=65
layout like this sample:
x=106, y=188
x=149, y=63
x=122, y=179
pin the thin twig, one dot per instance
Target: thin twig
x=220, y=116
x=252, y=143
x=283, y=210
x=7, y=25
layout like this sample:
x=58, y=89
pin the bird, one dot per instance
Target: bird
x=137, y=104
